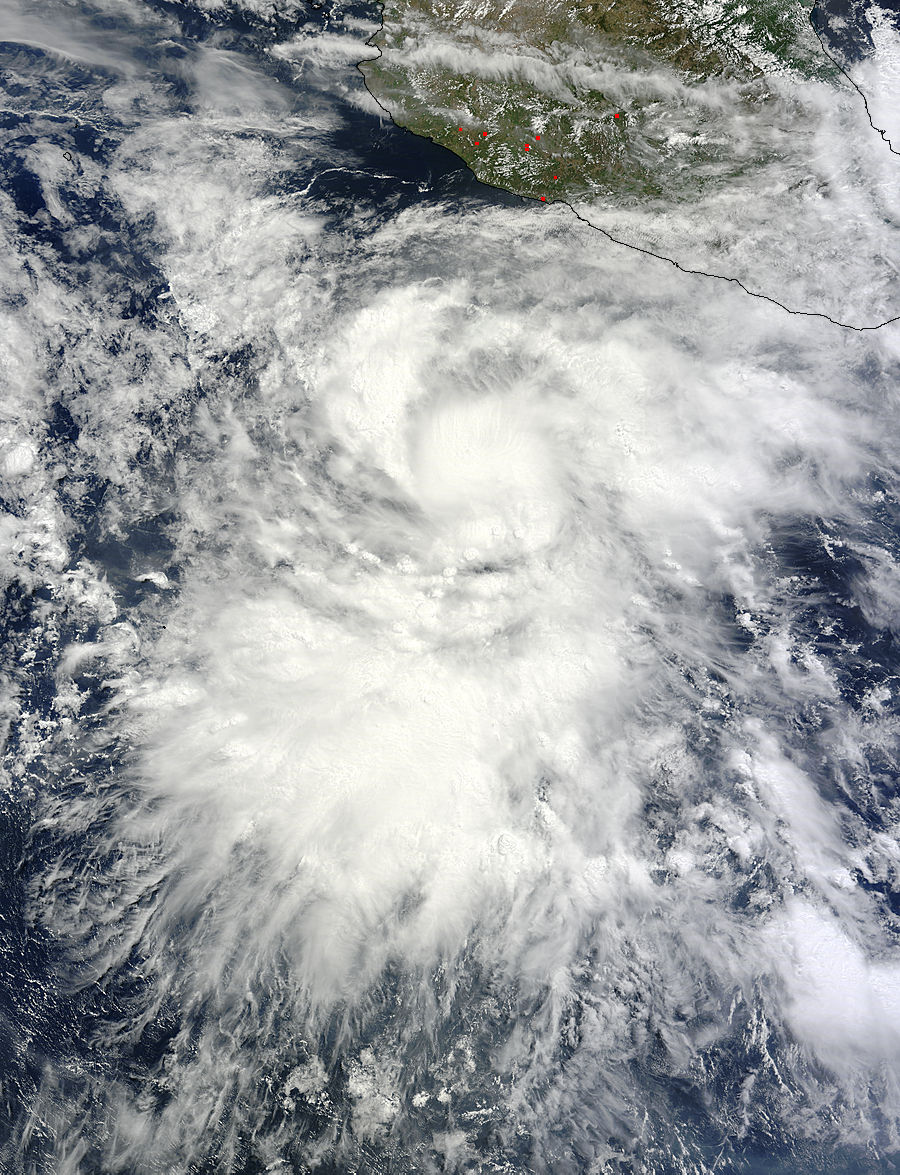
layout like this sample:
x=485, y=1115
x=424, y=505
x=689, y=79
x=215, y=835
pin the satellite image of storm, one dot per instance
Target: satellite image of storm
x=450, y=543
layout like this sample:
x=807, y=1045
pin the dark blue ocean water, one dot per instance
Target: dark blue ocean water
x=845, y=27
x=62, y=1036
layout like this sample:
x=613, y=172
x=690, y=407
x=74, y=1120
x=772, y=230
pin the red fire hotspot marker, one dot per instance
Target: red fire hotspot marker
x=527, y=148
x=537, y=136
x=615, y=116
x=543, y=197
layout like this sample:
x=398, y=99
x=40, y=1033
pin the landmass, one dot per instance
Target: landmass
x=624, y=99
x=717, y=135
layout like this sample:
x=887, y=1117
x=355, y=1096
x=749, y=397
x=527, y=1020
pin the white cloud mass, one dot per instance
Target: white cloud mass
x=489, y=765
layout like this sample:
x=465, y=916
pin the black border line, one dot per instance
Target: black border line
x=834, y=61
x=639, y=248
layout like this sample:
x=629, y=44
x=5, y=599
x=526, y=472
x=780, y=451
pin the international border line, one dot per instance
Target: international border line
x=834, y=61
x=723, y=277
x=640, y=248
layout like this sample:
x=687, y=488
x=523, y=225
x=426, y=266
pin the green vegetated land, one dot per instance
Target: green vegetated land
x=695, y=84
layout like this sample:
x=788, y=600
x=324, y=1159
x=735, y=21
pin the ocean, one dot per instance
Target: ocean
x=449, y=662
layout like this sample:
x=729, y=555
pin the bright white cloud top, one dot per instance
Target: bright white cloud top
x=453, y=707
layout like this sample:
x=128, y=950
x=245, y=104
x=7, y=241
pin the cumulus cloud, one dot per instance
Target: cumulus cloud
x=486, y=765
x=714, y=175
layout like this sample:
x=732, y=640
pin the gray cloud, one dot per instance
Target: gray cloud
x=491, y=764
